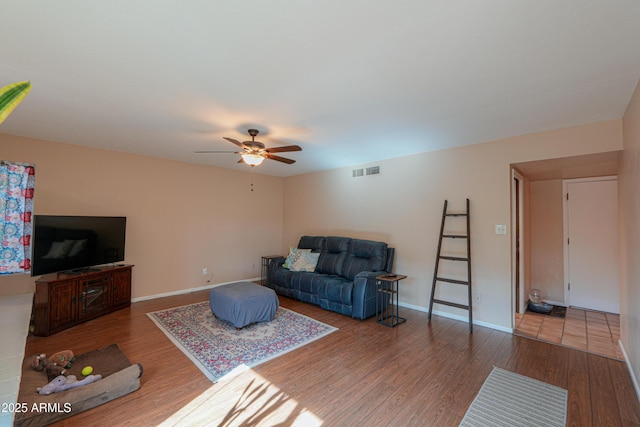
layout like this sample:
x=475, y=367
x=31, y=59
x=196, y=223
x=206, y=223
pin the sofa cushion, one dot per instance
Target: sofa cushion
x=321, y=287
x=332, y=258
x=337, y=289
x=282, y=281
x=308, y=286
x=364, y=255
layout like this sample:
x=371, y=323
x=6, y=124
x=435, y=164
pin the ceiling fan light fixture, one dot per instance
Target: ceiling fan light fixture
x=252, y=159
x=254, y=152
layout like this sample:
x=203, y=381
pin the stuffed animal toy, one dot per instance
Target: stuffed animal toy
x=63, y=358
x=62, y=383
x=41, y=363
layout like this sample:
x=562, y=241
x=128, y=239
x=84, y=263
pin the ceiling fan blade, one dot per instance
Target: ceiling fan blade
x=233, y=141
x=283, y=149
x=226, y=152
x=278, y=158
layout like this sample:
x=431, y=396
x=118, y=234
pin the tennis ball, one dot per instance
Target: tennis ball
x=87, y=370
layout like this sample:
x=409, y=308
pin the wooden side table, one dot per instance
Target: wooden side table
x=387, y=286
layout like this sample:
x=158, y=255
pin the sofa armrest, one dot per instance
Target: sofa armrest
x=364, y=294
x=274, y=264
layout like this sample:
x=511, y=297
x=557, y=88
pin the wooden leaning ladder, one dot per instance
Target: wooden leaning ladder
x=464, y=259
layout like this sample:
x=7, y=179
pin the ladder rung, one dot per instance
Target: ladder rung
x=454, y=258
x=459, y=282
x=455, y=236
x=452, y=304
x=457, y=214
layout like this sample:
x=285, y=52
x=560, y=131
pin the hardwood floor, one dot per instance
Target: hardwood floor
x=417, y=374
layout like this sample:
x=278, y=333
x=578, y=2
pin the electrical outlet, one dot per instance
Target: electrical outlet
x=477, y=298
x=205, y=271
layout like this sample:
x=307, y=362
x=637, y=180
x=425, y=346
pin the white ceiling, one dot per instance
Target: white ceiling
x=351, y=82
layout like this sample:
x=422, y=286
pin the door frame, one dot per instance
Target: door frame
x=517, y=221
x=565, y=226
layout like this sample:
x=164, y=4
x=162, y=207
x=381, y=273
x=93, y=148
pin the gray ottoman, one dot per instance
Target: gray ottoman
x=243, y=303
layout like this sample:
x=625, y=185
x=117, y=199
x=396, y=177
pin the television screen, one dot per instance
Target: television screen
x=73, y=243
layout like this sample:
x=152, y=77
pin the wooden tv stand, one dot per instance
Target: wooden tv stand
x=63, y=300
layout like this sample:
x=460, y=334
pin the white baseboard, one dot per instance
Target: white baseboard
x=634, y=379
x=457, y=317
x=190, y=290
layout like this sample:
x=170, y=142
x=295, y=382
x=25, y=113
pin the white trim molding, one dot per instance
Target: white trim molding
x=457, y=317
x=189, y=290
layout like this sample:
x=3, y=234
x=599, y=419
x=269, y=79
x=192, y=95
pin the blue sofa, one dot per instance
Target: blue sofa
x=344, y=277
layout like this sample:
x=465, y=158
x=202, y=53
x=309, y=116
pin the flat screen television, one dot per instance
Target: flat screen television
x=76, y=243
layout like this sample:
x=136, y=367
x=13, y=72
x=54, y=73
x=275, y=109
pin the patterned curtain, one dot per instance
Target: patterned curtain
x=16, y=205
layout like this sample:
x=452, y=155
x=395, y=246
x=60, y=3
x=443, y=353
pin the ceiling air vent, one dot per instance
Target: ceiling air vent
x=373, y=170
x=358, y=172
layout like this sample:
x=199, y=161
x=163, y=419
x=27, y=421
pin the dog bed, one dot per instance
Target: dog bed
x=119, y=377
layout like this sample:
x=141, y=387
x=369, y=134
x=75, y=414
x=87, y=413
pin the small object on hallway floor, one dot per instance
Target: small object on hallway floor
x=548, y=309
x=536, y=296
x=540, y=307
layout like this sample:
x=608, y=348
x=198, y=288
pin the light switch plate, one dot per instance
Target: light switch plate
x=501, y=229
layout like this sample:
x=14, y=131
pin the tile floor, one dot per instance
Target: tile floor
x=592, y=331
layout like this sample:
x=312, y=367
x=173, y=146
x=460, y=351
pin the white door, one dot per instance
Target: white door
x=593, y=244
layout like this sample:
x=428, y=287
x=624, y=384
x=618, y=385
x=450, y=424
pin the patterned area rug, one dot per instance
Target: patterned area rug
x=218, y=348
x=509, y=399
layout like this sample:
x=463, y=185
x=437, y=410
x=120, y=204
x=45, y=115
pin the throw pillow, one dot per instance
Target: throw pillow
x=307, y=261
x=288, y=263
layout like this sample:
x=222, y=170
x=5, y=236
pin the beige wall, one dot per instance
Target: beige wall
x=547, y=257
x=180, y=217
x=403, y=206
x=629, y=202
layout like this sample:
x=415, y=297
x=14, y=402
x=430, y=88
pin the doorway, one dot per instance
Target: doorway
x=531, y=184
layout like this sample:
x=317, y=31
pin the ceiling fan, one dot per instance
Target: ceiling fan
x=253, y=152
